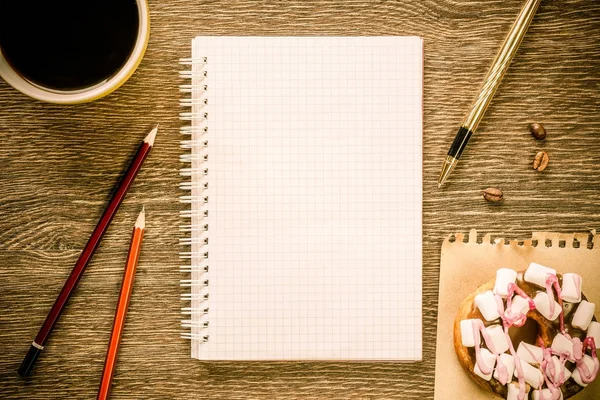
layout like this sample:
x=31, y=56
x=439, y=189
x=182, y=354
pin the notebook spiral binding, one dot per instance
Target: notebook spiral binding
x=195, y=184
x=576, y=240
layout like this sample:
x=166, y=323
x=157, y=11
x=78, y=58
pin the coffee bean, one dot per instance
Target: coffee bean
x=540, y=162
x=493, y=195
x=537, y=130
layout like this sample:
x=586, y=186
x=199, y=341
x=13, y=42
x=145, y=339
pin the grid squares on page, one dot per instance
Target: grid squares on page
x=315, y=198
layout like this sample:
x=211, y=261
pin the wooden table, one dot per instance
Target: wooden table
x=59, y=165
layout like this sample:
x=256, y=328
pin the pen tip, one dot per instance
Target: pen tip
x=151, y=136
x=141, y=219
x=447, y=168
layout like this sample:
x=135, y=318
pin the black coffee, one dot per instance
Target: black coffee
x=67, y=44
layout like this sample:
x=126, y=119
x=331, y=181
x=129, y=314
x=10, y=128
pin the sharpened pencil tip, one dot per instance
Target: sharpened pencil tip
x=141, y=219
x=151, y=136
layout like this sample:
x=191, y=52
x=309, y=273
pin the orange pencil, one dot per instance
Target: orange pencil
x=123, y=303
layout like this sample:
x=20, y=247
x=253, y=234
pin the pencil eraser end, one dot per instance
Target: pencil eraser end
x=28, y=361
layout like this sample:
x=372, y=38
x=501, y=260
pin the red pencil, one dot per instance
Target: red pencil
x=123, y=303
x=38, y=344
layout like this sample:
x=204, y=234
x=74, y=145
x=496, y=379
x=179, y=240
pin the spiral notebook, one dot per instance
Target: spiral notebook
x=304, y=178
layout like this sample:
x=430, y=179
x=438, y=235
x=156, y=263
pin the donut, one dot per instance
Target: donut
x=529, y=335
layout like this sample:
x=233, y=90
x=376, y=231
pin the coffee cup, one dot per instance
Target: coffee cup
x=71, y=51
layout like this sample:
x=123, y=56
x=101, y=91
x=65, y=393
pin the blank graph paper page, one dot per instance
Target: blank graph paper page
x=307, y=171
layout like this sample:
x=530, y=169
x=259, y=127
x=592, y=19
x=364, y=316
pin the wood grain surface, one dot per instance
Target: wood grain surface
x=59, y=164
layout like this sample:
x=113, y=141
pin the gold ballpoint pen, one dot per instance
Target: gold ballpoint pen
x=491, y=83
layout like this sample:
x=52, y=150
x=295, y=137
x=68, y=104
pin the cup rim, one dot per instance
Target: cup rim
x=94, y=92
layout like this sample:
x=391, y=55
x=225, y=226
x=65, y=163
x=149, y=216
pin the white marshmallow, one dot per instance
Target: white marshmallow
x=519, y=304
x=513, y=391
x=589, y=362
x=509, y=362
x=583, y=315
x=571, y=288
x=533, y=376
x=594, y=331
x=498, y=338
x=547, y=394
x=466, y=333
x=504, y=277
x=542, y=304
x=489, y=360
x=561, y=344
x=537, y=274
x=530, y=353
x=486, y=302
x=559, y=369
